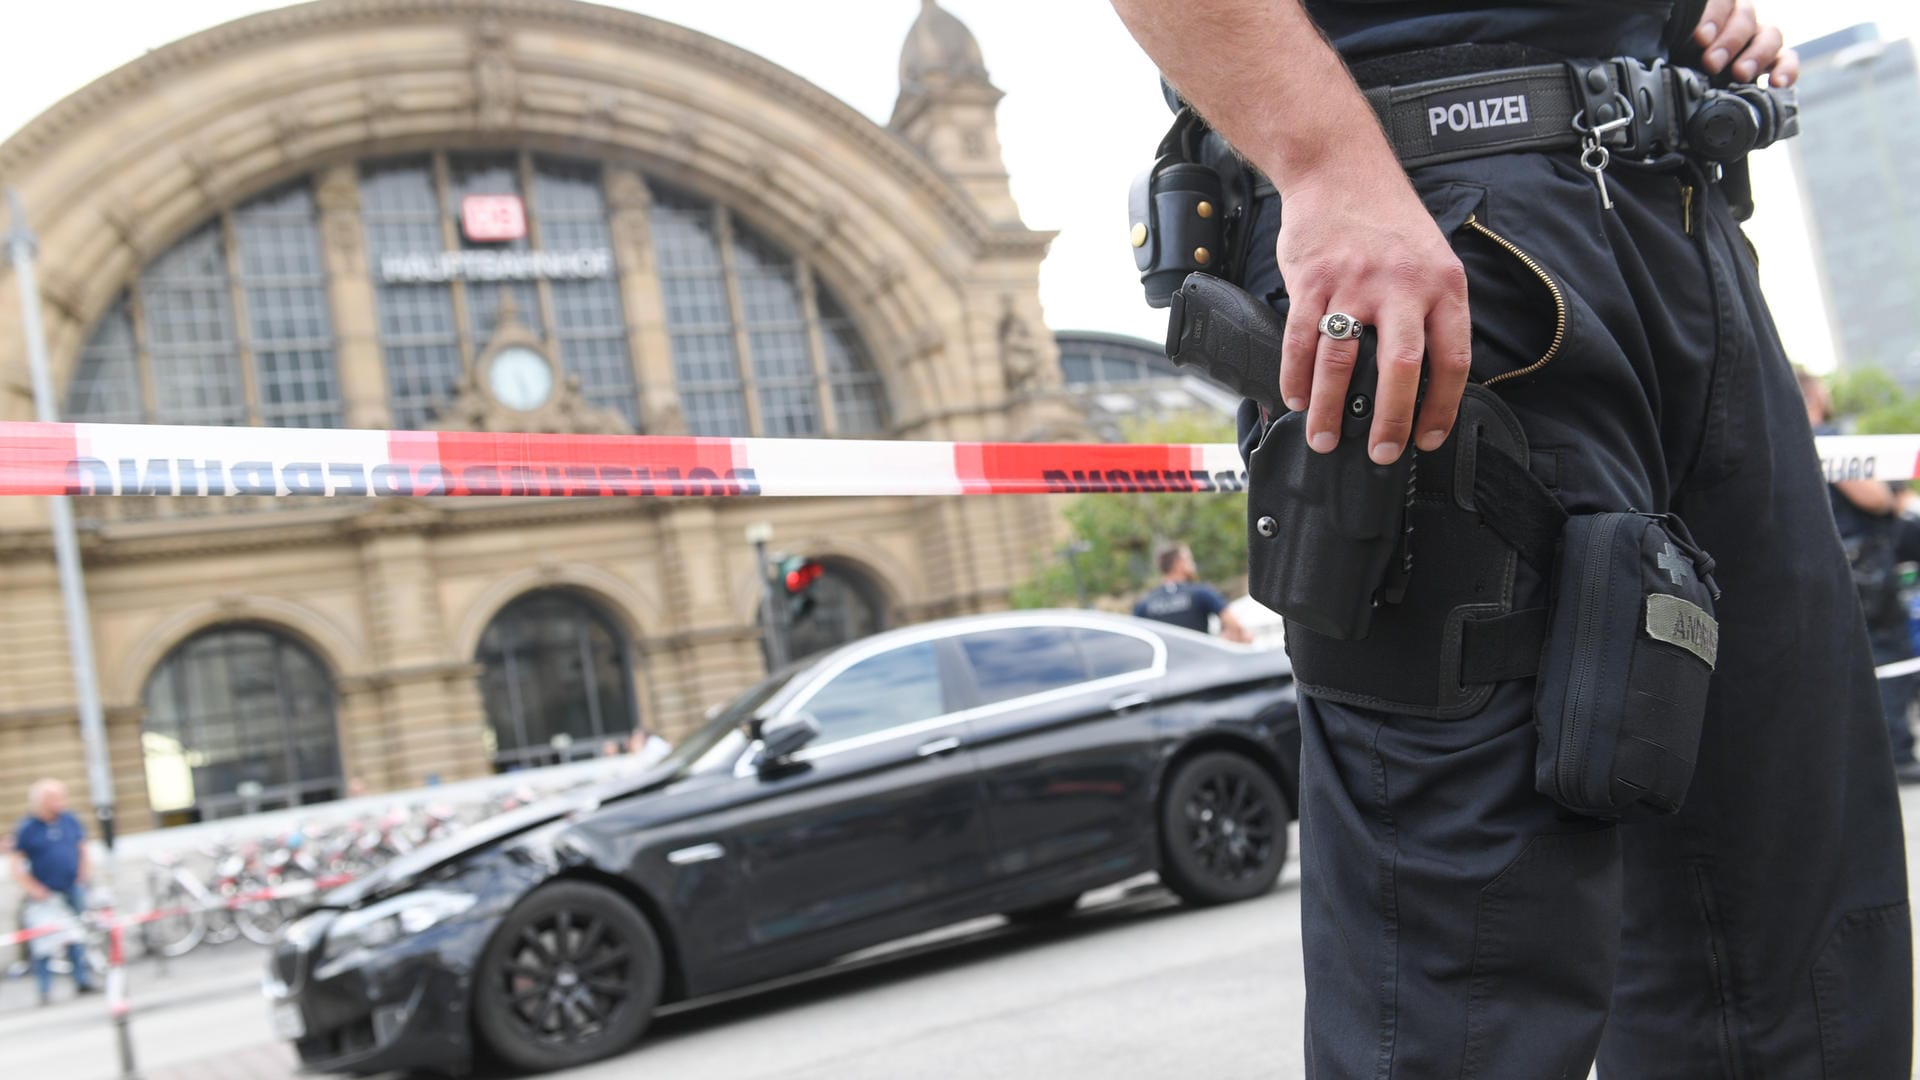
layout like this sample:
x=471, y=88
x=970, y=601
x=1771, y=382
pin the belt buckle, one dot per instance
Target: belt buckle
x=1648, y=90
x=1625, y=105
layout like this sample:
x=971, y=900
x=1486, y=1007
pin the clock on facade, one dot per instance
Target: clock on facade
x=520, y=378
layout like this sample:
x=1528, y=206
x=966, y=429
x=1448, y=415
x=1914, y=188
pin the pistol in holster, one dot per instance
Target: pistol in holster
x=1460, y=570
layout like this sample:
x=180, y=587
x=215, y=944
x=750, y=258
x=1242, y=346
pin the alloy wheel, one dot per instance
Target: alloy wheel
x=566, y=973
x=1230, y=827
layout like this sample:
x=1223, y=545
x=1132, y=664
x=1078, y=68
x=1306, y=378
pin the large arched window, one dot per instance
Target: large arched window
x=412, y=207
x=847, y=605
x=232, y=325
x=733, y=296
x=229, y=326
x=239, y=719
x=557, y=680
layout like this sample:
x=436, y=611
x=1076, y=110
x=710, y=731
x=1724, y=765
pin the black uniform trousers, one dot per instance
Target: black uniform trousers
x=1459, y=924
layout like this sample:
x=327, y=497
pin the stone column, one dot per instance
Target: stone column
x=648, y=346
x=705, y=653
x=430, y=721
x=356, y=321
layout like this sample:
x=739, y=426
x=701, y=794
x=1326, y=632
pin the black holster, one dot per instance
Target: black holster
x=1455, y=631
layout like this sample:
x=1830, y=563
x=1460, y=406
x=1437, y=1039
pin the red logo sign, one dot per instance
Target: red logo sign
x=487, y=218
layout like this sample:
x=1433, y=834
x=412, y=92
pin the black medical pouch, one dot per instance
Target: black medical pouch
x=1628, y=654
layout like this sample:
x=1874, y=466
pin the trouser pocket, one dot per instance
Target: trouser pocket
x=1545, y=948
x=1862, y=984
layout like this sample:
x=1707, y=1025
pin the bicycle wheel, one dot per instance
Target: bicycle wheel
x=258, y=919
x=180, y=925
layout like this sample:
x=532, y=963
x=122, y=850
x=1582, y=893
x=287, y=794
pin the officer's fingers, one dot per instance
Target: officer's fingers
x=1786, y=69
x=1759, y=54
x=1449, y=359
x=1332, y=371
x=1297, y=348
x=1402, y=344
x=1712, y=18
x=1733, y=37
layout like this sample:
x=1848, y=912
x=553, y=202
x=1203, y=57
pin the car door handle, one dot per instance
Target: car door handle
x=1129, y=701
x=939, y=746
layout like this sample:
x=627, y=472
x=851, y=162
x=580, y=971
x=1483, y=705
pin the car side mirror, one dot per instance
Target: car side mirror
x=783, y=741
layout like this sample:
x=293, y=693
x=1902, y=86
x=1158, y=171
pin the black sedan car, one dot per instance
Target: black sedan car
x=996, y=764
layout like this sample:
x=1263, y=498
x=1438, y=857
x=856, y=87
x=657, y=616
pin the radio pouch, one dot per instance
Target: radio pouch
x=1629, y=651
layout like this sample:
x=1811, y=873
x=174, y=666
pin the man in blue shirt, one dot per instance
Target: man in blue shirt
x=1182, y=601
x=50, y=860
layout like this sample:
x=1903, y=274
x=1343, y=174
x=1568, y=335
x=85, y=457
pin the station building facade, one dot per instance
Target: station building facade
x=499, y=215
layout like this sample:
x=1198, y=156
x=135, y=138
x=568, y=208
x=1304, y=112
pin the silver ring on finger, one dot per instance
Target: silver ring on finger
x=1340, y=326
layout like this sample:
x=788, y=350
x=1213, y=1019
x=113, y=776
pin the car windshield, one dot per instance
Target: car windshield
x=719, y=741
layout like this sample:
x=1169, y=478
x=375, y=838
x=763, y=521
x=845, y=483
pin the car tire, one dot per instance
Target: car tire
x=1051, y=911
x=1223, y=829
x=571, y=976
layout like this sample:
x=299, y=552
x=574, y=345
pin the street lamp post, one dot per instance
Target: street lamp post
x=1074, y=551
x=73, y=596
x=66, y=550
x=772, y=630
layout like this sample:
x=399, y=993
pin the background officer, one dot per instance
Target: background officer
x=1455, y=921
x=1877, y=539
x=1182, y=601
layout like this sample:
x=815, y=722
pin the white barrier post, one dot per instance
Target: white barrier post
x=117, y=1003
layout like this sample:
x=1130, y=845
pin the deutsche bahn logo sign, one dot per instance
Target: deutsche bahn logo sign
x=486, y=219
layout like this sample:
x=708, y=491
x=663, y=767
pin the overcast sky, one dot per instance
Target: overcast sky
x=1081, y=115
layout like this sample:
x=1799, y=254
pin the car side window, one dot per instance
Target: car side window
x=1110, y=654
x=1022, y=660
x=898, y=687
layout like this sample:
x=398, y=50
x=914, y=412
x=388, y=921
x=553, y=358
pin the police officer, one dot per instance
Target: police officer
x=1457, y=923
x=1876, y=539
x=1183, y=601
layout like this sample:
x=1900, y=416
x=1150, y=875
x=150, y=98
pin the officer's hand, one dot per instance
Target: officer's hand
x=1362, y=243
x=1730, y=32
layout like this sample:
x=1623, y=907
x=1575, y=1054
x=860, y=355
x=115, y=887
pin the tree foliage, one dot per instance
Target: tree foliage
x=1873, y=404
x=1122, y=534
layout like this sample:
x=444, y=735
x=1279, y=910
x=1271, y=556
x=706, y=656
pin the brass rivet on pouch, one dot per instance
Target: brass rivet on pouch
x=1202, y=256
x=1205, y=209
x=1139, y=234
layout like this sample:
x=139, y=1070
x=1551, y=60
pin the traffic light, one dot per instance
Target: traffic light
x=799, y=574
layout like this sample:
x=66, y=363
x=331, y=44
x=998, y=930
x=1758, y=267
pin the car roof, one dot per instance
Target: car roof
x=940, y=629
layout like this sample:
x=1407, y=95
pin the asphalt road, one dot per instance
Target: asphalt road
x=1132, y=985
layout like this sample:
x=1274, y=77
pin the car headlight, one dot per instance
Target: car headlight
x=389, y=920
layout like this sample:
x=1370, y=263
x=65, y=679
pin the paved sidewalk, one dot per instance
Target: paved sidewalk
x=262, y=1061
x=1131, y=986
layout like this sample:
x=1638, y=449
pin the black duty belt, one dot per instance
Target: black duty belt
x=1635, y=109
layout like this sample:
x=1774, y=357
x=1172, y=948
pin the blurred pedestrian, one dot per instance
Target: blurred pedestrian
x=647, y=746
x=1182, y=601
x=50, y=863
x=1877, y=539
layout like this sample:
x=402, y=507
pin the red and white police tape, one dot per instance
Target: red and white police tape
x=157, y=459
x=113, y=922
x=153, y=459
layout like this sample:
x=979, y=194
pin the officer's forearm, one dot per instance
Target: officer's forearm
x=1870, y=496
x=1263, y=75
